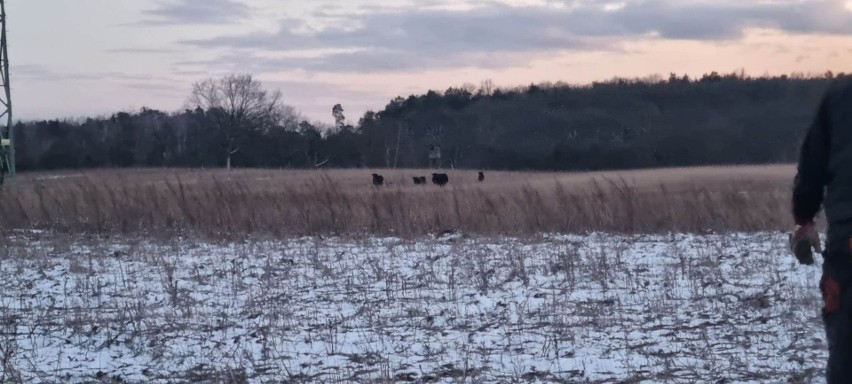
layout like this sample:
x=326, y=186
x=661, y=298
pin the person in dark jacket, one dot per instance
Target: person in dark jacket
x=824, y=178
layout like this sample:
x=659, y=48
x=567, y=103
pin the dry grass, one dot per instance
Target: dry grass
x=598, y=308
x=216, y=202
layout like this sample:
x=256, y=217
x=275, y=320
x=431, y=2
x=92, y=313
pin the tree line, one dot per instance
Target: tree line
x=617, y=124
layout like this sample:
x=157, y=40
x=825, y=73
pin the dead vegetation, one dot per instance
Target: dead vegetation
x=598, y=308
x=215, y=202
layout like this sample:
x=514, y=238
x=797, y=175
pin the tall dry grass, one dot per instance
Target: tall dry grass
x=217, y=202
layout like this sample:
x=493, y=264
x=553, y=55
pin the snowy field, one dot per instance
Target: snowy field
x=572, y=309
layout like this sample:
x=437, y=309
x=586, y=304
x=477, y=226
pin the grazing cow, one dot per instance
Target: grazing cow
x=378, y=180
x=419, y=180
x=440, y=179
x=481, y=177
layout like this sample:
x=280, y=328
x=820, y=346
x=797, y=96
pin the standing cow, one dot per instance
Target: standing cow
x=481, y=177
x=440, y=179
x=378, y=180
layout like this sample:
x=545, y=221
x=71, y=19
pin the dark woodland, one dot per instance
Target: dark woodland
x=618, y=124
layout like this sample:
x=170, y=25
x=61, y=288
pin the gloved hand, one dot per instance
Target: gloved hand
x=803, y=241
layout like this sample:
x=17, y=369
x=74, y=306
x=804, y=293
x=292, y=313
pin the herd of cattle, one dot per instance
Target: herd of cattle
x=439, y=179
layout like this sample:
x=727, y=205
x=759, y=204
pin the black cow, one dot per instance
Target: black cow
x=378, y=180
x=440, y=179
x=419, y=180
x=481, y=177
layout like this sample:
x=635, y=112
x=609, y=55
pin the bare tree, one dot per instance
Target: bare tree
x=486, y=87
x=238, y=104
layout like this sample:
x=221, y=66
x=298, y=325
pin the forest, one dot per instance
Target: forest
x=618, y=124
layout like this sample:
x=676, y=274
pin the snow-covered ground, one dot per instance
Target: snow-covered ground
x=596, y=308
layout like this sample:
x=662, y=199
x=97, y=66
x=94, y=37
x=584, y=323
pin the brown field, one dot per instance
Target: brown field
x=296, y=202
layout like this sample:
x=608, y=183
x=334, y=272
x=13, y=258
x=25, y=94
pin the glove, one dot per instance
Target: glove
x=803, y=241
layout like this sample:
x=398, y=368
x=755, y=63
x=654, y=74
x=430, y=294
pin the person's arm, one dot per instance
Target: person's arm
x=812, y=175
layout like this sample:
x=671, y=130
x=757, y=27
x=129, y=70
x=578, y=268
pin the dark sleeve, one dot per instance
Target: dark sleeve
x=812, y=175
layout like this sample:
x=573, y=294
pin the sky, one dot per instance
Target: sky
x=80, y=58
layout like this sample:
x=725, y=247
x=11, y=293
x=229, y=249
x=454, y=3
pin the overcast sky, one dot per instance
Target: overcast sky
x=94, y=57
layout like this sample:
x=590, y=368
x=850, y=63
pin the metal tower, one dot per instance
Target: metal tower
x=7, y=134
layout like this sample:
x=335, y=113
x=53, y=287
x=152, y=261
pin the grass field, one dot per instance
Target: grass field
x=288, y=202
x=254, y=276
x=596, y=308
